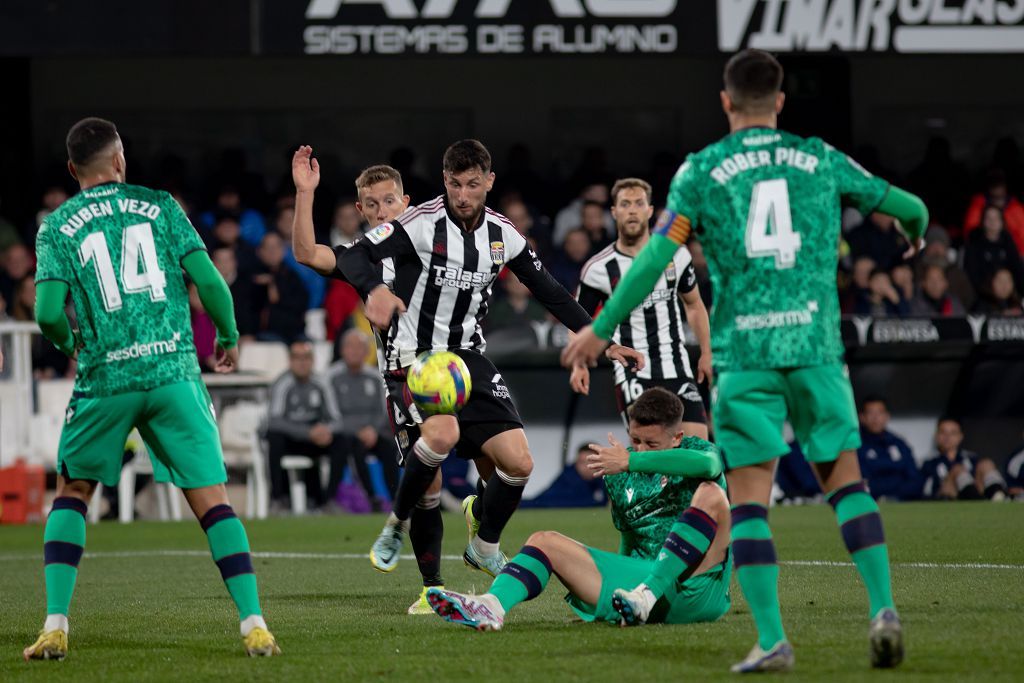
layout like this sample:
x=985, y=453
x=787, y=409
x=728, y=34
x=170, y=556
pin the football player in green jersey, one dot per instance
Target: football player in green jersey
x=667, y=494
x=766, y=206
x=137, y=369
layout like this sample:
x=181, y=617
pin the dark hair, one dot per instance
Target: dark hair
x=465, y=155
x=950, y=418
x=591, y=203
x=628, y=184
x=657, y=406
x=873, y=398
x=89, y=137
x=752, y=79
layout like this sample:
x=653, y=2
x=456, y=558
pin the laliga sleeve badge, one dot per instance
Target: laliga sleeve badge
x=381, y=233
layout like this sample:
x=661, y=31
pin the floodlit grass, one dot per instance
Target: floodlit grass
x=150, y=606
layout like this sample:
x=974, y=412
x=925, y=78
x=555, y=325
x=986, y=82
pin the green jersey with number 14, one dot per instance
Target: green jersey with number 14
x=766, y=207
x=119, y=248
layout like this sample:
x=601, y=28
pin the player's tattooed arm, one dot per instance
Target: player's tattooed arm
x=697, y=317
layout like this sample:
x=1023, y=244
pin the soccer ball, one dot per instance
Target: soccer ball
x=438, y=382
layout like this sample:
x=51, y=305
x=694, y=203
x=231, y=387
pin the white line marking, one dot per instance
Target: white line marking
x=274, y=555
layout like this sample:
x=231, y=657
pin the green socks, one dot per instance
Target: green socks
x=684, y=549
x=230, y=549
x=523, y=578
x=861, y=526
x=757, y=570
x=63, y=545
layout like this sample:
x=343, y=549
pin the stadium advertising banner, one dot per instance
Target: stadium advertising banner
x=509, y=27
x=589, y=27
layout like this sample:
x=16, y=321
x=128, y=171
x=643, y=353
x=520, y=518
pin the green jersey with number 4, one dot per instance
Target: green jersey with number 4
x=119, y=249
x=766, y=207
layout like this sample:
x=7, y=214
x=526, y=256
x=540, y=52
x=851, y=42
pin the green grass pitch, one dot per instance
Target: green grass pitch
x=150, y=606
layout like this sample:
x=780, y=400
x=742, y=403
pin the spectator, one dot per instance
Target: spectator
x=359, y=394
x=859, y=289
x=204, y=332
x=570, y=217
x=937, y=252
x=246, y=309
x=933, y=299
x=989, y=249
x=1015, y=474
x=347, y=225
x=999, y=297
x=569, y=260
x=881, y=300
x=878, y=239
x=997, y=195
x=304, y=420
x=795, y=478
x=575, y=487
x=537, y=229
x=53, y=196
x=314, y=283
x=9, y=235
x=886, y=460
x=18, y=264
x=229, y=202
x=953, y=473
x=228, y=233
x=903, y=280
x=283, y=318
x=517, y=308
x=592, y=217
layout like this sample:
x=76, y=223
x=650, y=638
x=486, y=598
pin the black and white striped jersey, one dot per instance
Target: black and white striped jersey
x=655, y=327
x=445, y=276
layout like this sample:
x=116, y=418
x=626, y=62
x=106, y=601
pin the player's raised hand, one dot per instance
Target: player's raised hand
x=610, y=459
x=579, y=379
x=381, y=306
x=227, y=360
x=583, y=348
x=631, y=359
x=1, y=360
x=305, y=169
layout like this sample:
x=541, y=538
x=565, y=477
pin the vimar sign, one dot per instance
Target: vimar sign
x=639, y=27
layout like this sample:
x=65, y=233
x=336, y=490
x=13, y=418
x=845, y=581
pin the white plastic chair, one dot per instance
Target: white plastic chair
x=269, y=359
x=239, y=436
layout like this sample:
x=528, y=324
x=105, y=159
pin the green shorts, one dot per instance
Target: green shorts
x=750, y=407
x=176, y=422
x=704, y=597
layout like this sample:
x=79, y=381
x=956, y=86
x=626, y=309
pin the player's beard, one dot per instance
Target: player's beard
x=631, y=233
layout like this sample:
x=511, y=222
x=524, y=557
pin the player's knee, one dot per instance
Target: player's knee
x=518, y=465
x=710, y=498
x=543, y=540
x=984, y=466
x=82, y=489
x=440, y=433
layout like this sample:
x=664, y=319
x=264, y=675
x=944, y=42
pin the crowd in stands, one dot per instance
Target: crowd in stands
x=972, y=264
x=893, y=473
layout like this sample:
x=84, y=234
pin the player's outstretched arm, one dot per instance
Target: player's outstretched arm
x=306, y=174
x=216, y=298
x=675, y=462
x=50, y=316
x=911, y=213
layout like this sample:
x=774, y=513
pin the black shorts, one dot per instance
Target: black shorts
x=684, y=387
x=488, y=412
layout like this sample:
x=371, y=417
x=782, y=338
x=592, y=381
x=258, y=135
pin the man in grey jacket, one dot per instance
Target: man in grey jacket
x=359, y=394
x=304, y=420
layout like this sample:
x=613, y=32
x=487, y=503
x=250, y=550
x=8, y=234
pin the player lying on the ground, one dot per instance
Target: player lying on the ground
x=667, y=489
x=137, y=368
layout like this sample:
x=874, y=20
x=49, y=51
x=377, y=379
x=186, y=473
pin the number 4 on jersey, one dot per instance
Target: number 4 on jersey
x=137, y=250
x=770, y=224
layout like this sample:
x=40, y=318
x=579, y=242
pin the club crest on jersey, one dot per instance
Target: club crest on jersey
x=381, y=233
x=670, y=272
x=497, y=253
